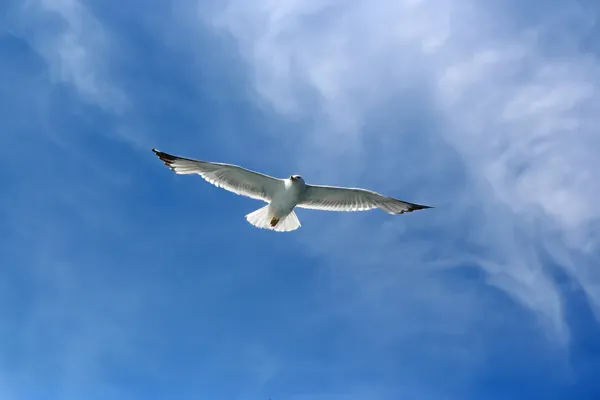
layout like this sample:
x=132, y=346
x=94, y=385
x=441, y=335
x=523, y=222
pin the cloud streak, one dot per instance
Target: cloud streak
x=75, y=46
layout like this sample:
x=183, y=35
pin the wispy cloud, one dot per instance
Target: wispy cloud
x=75, y=45
x=518, y=105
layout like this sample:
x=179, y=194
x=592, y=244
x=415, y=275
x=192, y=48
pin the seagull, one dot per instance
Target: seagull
x=283, y=195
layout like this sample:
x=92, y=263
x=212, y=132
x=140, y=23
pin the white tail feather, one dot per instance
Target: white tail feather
x=289, y=223
x=262, y=218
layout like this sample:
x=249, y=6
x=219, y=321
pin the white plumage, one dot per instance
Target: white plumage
x=283, y=195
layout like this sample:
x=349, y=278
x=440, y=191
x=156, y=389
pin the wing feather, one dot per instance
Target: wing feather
x=333, y=198
x=227, y=176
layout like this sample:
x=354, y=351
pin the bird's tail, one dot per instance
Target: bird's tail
x=263, y=218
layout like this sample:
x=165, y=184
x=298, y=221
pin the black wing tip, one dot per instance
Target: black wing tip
x=421, y=207
x=162, y=154
x=168, y=159
x=415, y=207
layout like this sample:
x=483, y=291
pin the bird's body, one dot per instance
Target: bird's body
x=283, y=195
x=285, y=200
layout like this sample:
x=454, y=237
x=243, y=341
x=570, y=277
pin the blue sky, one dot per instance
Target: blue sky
x=122, y=280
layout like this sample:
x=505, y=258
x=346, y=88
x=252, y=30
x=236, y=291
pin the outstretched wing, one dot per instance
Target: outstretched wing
x=227, y=176
x=332, y=198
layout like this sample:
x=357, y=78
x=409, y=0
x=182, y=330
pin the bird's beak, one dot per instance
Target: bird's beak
x=292, y=178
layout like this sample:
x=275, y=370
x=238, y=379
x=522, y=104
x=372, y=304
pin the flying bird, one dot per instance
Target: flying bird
x=283, y=195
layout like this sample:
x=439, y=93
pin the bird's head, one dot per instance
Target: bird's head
x=296, y=179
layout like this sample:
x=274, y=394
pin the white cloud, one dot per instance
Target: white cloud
x=520, y=110
x=533, y=142
x=75, y=46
